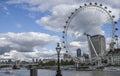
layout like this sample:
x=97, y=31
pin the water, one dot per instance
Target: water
x=41, y=72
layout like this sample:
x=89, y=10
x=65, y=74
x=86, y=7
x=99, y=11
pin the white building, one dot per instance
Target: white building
x=113, y=57
x=67, y=57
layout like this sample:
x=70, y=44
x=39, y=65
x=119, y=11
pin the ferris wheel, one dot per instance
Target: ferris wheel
x=73, y=29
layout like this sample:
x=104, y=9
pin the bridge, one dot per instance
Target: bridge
x=11, y=64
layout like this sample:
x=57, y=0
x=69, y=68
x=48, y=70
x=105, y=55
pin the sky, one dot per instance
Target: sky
x=31, y=28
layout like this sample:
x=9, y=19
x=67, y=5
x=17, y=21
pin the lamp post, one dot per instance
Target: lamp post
x=58, y=49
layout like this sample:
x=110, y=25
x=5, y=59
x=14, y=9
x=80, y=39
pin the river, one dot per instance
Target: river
x=42, y=72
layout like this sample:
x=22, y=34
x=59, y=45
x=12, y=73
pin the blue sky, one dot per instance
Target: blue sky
x=39, y=20
x=20, y=20
x=14, y=18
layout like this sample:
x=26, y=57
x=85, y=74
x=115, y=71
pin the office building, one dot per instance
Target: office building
x=99, y=44
x=78, y=52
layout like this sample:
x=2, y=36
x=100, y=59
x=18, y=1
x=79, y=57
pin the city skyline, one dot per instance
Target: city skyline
x=31, y=29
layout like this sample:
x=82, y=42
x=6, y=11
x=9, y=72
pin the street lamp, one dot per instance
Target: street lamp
x=58, y=49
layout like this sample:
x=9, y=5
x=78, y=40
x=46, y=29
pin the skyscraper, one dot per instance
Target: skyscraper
x=78, y=52
x=99, y=44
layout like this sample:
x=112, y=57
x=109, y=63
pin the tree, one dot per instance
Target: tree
x=67, y=62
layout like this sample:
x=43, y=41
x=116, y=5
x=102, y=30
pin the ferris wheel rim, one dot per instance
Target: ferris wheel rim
x=73, y=14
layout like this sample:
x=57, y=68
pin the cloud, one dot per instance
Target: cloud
x=28, y=56
x=7, y=13
x=5, y=8
x=41, y=5
x=113, y=3
x=74, y=45
x=25, y=42
x=90, y=20
x=58, y=17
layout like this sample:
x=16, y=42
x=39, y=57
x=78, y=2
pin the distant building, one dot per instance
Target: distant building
x=99, y=44
x=83, y=59
x=67, y=57
x=37, y=60
x=86, y=56
x=113, y=57
x=78, y=52
x=33, y=60
x=9, y=60
x=47, y=60
x=82, y=62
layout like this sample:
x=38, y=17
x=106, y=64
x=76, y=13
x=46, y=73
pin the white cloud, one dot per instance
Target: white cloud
x=90, y=21
x=58, y=17
x=113, y=3
x=25, y=42
x=8, y=13
x=60, y=10
x=5, y=8
x=39, y=54
x=78, y=44
x=41, y=5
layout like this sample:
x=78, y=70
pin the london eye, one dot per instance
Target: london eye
x=86, y=17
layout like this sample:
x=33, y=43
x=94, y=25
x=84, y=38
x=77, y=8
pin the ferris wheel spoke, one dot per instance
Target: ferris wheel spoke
x=69, y=29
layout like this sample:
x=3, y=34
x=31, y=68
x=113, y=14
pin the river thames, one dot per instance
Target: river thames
x=42, y=72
